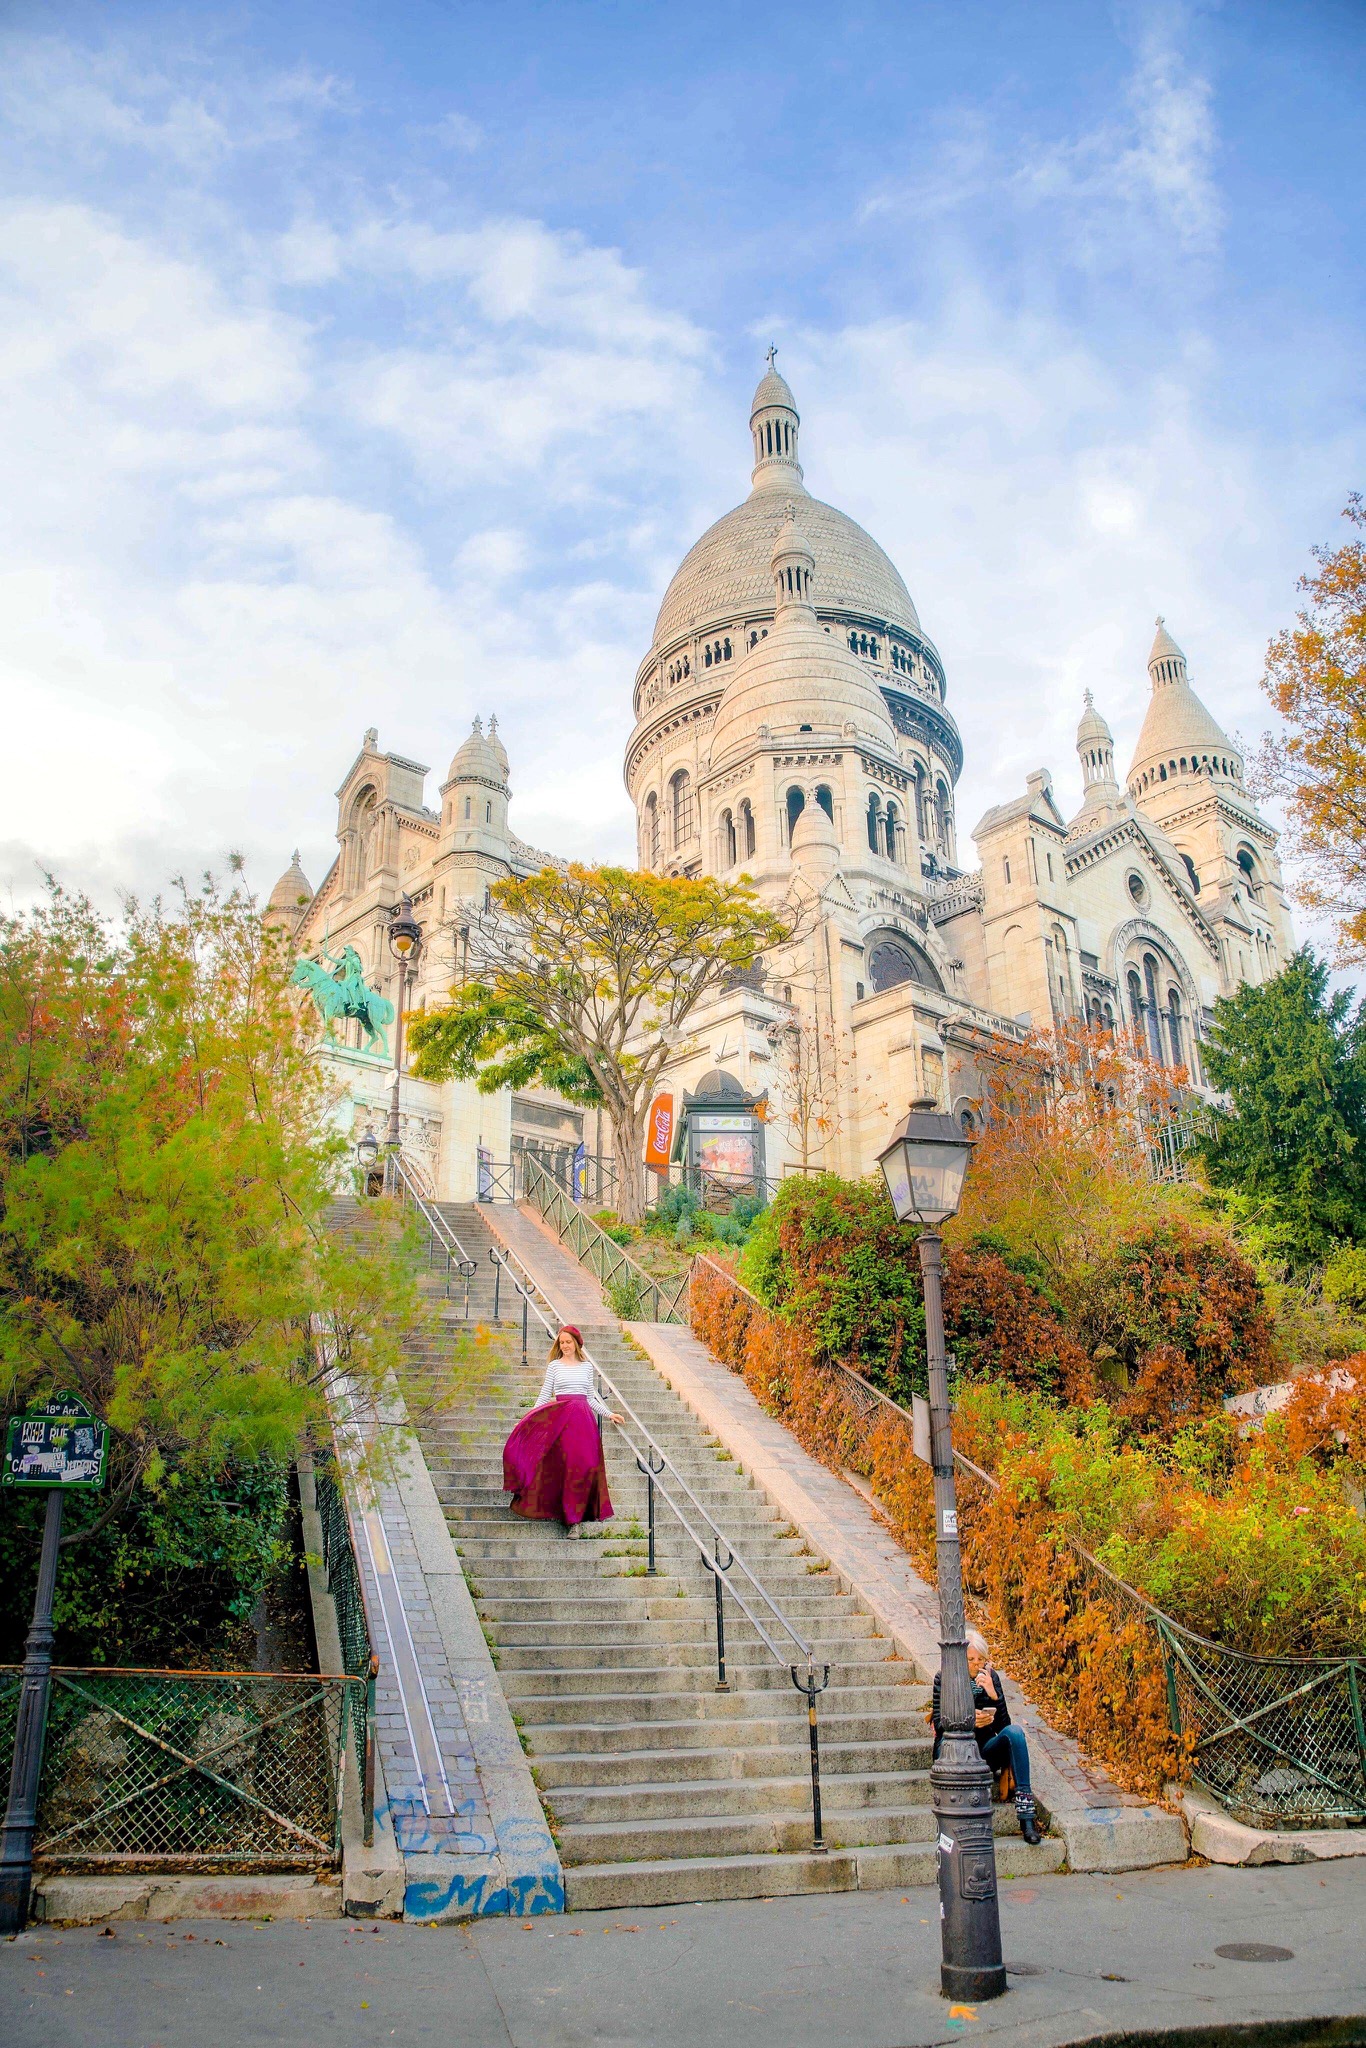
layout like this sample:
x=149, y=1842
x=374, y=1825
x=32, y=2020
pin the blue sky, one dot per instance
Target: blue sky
x=377, y=364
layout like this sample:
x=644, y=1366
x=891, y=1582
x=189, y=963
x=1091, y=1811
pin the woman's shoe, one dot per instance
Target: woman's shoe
x=1029, y=1826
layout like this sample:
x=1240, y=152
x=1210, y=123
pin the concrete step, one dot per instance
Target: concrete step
x=685, y=1798
x=611, y=1768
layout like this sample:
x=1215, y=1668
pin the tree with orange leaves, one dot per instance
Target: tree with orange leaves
x=1063, y=1164
x=1316, y=678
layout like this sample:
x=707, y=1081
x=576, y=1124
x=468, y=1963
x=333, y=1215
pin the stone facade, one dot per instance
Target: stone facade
x=390, y=843
x=791, y=726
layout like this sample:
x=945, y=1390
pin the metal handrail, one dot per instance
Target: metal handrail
x=439, y=1232
x=710, y=1555
x=613, y=1264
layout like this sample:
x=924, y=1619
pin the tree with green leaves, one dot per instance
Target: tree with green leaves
x=587, y=980
x=1289, y=1151
x=166, y=1165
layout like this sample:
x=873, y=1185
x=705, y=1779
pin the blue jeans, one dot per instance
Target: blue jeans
x=1008, y=1746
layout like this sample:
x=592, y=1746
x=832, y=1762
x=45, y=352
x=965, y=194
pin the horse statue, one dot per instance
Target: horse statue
x=342, y=992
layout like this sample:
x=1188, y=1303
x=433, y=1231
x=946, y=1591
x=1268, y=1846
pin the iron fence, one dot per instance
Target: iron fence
x=1278, y=1741
x=633, y=1293
x=189, y=1770
x=207, y=1770
x=359, y=1661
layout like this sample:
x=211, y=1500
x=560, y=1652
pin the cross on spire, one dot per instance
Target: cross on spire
x=772, y=352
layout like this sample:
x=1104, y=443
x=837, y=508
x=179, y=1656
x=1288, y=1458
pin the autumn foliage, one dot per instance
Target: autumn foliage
x=1316, y=678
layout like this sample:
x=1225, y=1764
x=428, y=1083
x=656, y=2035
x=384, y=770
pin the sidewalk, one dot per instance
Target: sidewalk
x=1095, y=1959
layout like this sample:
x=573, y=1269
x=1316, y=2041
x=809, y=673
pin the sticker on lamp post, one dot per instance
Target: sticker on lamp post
x=949, y=1521
x=59, y=1443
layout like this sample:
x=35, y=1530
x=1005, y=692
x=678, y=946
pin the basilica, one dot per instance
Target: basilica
x=792, y=727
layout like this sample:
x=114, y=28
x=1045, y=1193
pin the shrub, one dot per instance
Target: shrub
x=172, y=1582
x=831, y=1257
x=1185, y=1293
x=1001, y=1325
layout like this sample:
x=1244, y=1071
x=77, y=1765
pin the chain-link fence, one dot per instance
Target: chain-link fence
x=207, y=1770
x=1279, y=1741
x=188, y=1770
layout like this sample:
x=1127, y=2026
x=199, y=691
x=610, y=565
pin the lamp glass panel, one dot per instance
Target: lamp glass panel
x=925, y=1179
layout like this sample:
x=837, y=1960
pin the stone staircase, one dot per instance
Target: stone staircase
x=659, y=1788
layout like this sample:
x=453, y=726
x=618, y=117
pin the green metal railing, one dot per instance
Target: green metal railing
x=633, y=1293
x=208, y=1770
x=1278, y=1741
x=189, y=1770
x=353, y=1626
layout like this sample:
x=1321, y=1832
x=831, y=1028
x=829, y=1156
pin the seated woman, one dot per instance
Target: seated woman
x=1000, y=1741
x=552, y=1462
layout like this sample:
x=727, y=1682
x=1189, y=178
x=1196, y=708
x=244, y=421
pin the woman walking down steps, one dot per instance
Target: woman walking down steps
x=552, y=1462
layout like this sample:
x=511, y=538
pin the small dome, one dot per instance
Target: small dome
x=815, y=843
x=481, y=758
x=293, y=892
x=800, y=676
x=1093, y=730
x=1179, y=734
x=773, y=389
x=717, y=1086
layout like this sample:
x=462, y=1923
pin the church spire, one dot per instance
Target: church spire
x=773, y=423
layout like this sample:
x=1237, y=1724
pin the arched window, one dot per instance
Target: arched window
x=874, y=825
x=826, y=802
x=680, y=797
x=1174, y=1027
x=747, y=825
x=651, y=846
x=728, y=846
x=1248, y=865
x=706, y=658
x=469, y=801
x=894, y=959
x=488, y=812
x=893, y=819
x=1190, y=870
x=941, y=815
x=1152, y=1006
x=725, y=647
x=796, y=804
x=1135, y=988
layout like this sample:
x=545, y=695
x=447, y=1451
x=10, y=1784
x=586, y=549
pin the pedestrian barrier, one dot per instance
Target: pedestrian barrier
x=207, y=1770
x=1278, y=1741
x=644, y=1299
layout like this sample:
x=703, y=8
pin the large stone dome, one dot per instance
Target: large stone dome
x=726, y=574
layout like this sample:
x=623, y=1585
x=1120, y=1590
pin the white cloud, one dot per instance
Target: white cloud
x=1140, y=183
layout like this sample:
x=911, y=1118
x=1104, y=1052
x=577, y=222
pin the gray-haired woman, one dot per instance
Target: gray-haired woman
x=1000, y=1741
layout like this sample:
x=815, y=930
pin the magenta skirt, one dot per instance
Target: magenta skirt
x=552, y=1464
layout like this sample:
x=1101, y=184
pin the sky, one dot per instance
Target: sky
x=377, y=364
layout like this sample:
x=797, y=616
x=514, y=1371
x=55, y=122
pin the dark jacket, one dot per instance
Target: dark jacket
x=980, y=1698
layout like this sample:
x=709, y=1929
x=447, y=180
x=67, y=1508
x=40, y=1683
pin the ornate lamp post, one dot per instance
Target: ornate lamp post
x=367, y=1152
x=405, y=943
x=924, y=1168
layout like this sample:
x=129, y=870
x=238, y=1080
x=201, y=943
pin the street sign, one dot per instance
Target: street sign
x=60, y=1443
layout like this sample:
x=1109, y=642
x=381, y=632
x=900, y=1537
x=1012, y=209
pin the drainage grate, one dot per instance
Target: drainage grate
x=1254, y=1952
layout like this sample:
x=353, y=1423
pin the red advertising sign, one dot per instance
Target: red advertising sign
x=659, y=1132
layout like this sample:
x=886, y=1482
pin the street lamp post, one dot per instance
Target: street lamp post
x=924, y=1167
x=405, y=943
